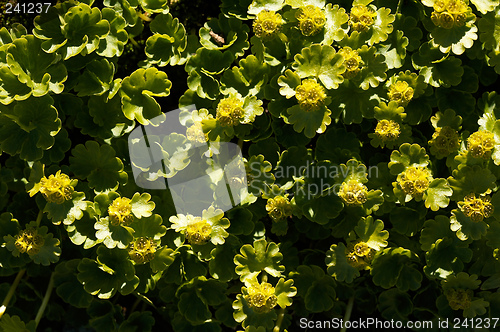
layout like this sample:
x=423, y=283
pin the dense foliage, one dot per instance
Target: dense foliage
x=372, y=150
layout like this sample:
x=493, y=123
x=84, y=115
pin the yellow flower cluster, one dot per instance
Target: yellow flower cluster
x=56, y=189
x=120, y=212
x=195, y=133
x=29, y=241
x=142, y=250
x=353, y=192
x=361, y=17
x=387, y=130
x=310, y=95
x=400, y=92
x=199, y=231
x=311, y=20
x=476, y=208
x=445, y=140
x=414, y=180
x=449, y=13
x=230, y=111
x=267, y=24
x=459, y=298
x=261, y=297
x=480, y=144
x=279, y=207
x=352, y=62
x=359, y=255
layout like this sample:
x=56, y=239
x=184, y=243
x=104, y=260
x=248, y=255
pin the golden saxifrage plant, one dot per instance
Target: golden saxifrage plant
x=371, y=151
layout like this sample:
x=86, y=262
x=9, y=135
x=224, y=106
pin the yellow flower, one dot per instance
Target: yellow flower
x=352, y=61
x=449, y=13
x=142, y=250
x=445, y=140
x=120, y=212
x=311, y=20
x=261, y=297
x=230, y=111
x=310, y=95
x=279, y=207
x=353, y=192
x=198, y=231
x=476, y=208
x=267, y=24
x=29, y=241
x=361, y=17
x=414, y=180
x=56, y=189
x=387, y=130
x=400, y=92
x=359, y=255
x=480, y=144
x=195, y=133
x=459, y=298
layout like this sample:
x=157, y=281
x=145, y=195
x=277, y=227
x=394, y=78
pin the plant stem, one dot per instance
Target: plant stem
x=12, y=289
x=39, y=218
x=144, y=17
x=45, y=300
x=348, y=312
x=281, y=315
x=398, y=8
x=132, y=40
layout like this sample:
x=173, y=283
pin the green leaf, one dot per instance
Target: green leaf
x=68, y=287
x=489, y=29
x=408, y=155
x=465, y=227
x=114, y=42
x=395, y=305
x=371, y=232
x=233, y=32
x=373, y=72
x=98, y=165
x=29, y=127
x=437, y=195
x=311, y=122
x=71, y=29
x=259, y=5
x=249, y=318
x=288, y=82
x=246, y=79
x=141, y=206
x=15, y=324
x=37, y=69
x=262, y=256
x=470, y=179
x=137, y=92
x=317, y=289
x=456, y=39
x=112, y=272
x=336, y=17
x=221, y=265
x=138, y=321
x=338, y=266
x=168, y=42
x=445, y=253
x=485, y=6
x=96, y=79
x=113, y=236
x=391, y=267
x=437, y=71
x=353, y=103
x=192, y=307
x=320, y=61
x=69, y=211
x=284, y=292
x=164, y=257
x=154, y=6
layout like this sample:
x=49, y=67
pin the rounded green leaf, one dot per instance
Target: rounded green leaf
x=98, y=165
x=262, y=256
x=320, y=61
